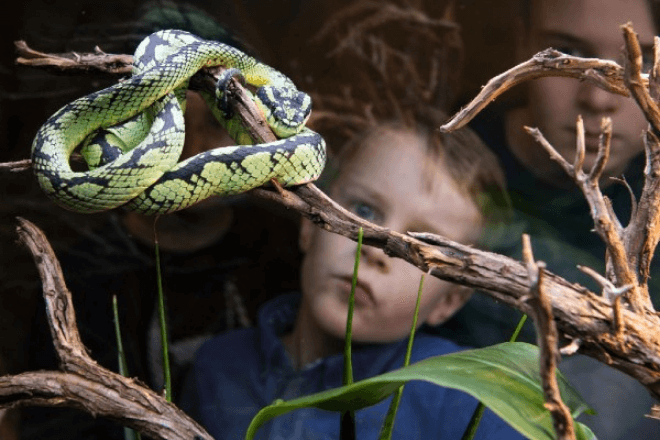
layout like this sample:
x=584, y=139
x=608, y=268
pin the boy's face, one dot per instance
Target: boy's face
x=390, y=181
x=585, y=28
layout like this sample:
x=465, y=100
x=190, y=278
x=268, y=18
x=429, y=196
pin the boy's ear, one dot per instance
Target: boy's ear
x=305, y=237
x=450, y=303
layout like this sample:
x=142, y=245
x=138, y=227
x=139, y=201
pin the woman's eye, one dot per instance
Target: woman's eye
x=365, y=211
x=573, y=51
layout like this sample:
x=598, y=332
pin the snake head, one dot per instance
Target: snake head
x=286, y=109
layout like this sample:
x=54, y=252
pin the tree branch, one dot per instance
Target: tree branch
x=96, y=63
x=605, y=221
x=547, y=338
x=643, y=232
x=580, y=313
x=82, y=383
x=605, y=74
x=20, y=165
x=633, y=78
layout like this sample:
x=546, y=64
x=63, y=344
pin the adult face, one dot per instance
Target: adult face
x=585, y=28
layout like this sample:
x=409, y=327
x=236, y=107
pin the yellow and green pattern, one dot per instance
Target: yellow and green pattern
x=132, y=135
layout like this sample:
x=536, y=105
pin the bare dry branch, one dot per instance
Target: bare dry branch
x=83, y=383
x=62, y=322
x=20, y=165
x=633, y=78
x=605, y=74
x=612, y=294
x=643, y=232
x=606, y=223
x=547, y=338
x=70, y=63
x=572, y=348
x=654, y=76
x=604, y=143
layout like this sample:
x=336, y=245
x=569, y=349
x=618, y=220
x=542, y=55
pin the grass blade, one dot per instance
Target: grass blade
x=163, y=324
x=347, y=423
x=129, y=434
x=121, y=355
x=519, y=327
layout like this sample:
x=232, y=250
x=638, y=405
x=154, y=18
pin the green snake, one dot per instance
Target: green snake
x=132, y=135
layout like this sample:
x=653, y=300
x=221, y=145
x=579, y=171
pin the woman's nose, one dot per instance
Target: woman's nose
x=595, y=100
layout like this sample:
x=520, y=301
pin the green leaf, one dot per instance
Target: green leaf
x=582, y=431
x=471, y=429
x=505, y=377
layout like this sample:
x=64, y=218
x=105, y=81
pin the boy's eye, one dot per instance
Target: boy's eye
x=365, y=211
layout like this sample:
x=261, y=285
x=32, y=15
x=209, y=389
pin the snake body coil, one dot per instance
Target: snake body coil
x=136, y=128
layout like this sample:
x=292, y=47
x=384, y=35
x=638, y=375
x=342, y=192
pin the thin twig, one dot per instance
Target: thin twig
x=20, y=165
x=74, y=63
x=633, y=80
x=606, y=223
x=647, y=219
x=654, y=76
x=547, y=337
x=605, y=74
x=612, y=294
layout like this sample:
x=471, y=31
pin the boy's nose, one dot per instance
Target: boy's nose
x=595, y=100
x=376, y=258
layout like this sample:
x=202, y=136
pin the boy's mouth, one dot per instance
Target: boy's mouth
x=363, y=292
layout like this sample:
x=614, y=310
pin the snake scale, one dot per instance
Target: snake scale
x=132, y=135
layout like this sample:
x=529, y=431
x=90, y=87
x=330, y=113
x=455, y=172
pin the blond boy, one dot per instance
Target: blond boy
x=407, y=178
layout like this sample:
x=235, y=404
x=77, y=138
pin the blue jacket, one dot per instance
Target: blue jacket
x=238, y=373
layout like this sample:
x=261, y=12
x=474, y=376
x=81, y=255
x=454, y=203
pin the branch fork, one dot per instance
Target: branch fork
x=82, y=383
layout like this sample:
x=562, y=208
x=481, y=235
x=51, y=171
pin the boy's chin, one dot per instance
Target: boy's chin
x=330, y=319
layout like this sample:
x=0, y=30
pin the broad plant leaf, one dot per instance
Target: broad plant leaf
x=505, y=377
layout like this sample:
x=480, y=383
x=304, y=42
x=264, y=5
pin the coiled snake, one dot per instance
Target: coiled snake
x=132, y=135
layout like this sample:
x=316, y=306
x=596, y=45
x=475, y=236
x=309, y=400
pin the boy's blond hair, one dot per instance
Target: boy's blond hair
x=470, y=164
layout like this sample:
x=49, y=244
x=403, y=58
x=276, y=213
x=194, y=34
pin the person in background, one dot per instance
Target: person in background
x=378, y=114
x=546, y=203
x=441, y=187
